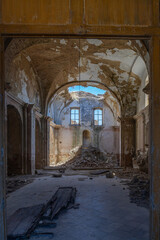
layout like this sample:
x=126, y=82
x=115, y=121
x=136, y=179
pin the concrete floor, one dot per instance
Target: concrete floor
x=105, y=210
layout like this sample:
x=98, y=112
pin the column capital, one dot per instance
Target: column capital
x=30, y=106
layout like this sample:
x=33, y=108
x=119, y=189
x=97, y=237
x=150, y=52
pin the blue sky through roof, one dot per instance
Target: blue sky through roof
x=89, y=89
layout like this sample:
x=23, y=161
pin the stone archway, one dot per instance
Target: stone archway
x=86, y=138
x=14, y=142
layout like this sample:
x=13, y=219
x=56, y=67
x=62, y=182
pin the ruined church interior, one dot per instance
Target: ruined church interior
x=77, y=138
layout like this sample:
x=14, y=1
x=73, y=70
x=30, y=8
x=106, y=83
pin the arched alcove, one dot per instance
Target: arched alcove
x=14, y=141
x=86, y=138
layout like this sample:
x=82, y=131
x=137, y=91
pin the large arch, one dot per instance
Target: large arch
x=61, y=63
x=71, y=138
x=110, y=94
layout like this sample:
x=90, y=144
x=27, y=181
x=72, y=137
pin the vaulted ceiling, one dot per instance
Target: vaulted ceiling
x=121, y=65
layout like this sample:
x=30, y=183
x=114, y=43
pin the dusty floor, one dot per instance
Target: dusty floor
x=105, y=211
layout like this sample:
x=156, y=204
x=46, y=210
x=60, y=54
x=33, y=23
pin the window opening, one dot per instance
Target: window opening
x=98, y=117
x=74, y=116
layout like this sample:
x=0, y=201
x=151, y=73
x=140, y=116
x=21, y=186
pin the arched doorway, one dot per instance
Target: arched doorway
x=86, y=138
x=38, y=159
x=14, y=141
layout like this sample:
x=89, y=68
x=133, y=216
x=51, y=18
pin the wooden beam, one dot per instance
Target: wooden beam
x=79, y=30
x=155, y=12
x=2, y=148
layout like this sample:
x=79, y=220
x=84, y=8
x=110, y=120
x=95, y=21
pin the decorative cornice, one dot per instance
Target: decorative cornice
x=10, y=96
x=143, y=111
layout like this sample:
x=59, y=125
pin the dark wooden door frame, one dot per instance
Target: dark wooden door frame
x=154, y=121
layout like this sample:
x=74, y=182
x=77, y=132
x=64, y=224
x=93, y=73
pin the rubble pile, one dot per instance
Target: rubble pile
x=129, y=173
x=138, y=184
x=15, y=183
x=92, y=157
x=139, y=191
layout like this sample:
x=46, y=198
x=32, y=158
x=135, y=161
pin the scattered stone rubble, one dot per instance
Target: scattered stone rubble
x=139, y=185
x=139, y=191
x=92, y=157
x=15, y=183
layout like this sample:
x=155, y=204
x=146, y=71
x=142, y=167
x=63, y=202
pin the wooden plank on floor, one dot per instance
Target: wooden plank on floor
x=64, y=196
x=24, y=220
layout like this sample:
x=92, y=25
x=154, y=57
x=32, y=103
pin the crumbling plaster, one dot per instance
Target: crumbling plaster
x=111, y=62
x=21, y=81
x=63, y=98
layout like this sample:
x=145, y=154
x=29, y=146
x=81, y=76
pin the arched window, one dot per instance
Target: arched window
x=98, y=117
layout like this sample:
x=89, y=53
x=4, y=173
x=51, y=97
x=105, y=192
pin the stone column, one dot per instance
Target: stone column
x=57, y=150
x=144, y=127
x=45, y=140
x=30, y=139
x=48, y=141
x=127, y=140
x=25, y=133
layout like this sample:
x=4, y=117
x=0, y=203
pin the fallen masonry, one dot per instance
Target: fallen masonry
x=16, y=183
x=138, y=184
x=92, y=157
x=139, y=191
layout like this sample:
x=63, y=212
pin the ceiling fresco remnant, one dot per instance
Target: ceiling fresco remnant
x=119, y=65
x=63, y=98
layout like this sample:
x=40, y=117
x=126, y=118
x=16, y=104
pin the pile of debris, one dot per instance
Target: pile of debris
x=15, y=183
x=139, y=191
x=138, y=184
x=92, y=157
x=129, y=173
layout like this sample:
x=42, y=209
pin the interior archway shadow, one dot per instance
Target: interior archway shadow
x=14, y=142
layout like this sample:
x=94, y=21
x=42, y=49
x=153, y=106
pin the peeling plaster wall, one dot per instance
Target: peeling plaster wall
x=142, y=116
x=21, y=81
x=61, y=61
x=106, y=137
x=141, y=98
x=142, y=129
x=52, y=155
